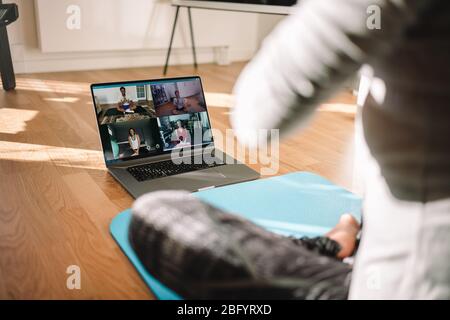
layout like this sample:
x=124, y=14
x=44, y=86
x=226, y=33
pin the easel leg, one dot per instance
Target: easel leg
x=192, y=37
x=171, y=41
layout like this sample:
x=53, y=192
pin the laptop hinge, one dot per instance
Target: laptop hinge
x=158, y=158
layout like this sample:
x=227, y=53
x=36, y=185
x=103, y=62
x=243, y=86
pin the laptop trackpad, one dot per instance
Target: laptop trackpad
x=191, y=181
x=199, y=179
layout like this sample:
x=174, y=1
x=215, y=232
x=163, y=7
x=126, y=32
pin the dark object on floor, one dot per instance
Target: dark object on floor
x=201, y=252
x=8, y=14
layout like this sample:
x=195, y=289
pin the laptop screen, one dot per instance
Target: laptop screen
x=145, y=118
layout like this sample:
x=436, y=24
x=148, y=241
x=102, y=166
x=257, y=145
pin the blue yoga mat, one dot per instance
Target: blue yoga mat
x=297, y=204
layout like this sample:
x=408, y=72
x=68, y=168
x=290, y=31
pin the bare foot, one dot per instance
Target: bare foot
x=345, y=233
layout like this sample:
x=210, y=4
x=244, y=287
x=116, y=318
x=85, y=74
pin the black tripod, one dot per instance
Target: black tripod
x=166, y=65
x=8, y=14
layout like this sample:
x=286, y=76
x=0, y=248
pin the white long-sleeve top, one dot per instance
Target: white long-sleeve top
x=308, y=57
x=311, y=54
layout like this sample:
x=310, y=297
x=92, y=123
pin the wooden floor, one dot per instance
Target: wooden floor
x=57, y=199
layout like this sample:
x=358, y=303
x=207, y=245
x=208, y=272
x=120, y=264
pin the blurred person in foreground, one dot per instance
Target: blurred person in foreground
x=202, y=252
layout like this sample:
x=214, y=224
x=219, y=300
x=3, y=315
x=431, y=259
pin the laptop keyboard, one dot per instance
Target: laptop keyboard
x=165, y=168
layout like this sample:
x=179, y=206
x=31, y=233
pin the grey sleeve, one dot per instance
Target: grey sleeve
x=309, y=56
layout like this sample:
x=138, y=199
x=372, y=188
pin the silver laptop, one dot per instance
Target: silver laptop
x=156, y=135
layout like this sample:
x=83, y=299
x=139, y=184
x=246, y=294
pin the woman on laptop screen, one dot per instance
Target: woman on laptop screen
x=134, y=140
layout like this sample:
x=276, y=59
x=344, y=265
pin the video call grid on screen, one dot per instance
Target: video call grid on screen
x=144, y=118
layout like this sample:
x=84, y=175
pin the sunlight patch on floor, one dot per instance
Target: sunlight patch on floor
x=13, y=121
x=338, y=107
x=53, y=86
x=63, y=99
x=221, y=100
x=60, y=156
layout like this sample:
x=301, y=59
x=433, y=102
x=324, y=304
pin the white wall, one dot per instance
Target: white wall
x=189, y=88
x=186, y=88
x=147, y=47
x=170, y=89
x=266, y=23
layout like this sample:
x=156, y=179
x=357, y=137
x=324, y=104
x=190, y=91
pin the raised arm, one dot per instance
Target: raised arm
x=310, y=55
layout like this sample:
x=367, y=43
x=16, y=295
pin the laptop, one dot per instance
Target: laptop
x=156, y=135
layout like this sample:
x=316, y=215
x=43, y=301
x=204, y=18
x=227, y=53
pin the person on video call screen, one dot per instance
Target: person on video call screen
x=180, y=135
x=134, y=140
x=125, y=104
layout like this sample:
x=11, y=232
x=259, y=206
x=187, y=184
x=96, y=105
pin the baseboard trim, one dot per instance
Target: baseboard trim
x=116, y=60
